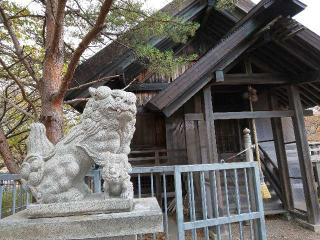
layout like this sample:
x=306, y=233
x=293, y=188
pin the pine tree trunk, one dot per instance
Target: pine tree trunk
x=52, y=109
x=6, y=154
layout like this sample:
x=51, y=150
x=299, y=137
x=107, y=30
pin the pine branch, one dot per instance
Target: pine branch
x=88, y=38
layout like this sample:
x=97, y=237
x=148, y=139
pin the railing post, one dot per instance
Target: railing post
x=158, y=178
x=260, y=228
x=248, y=145
x=96, y=181
x=251, y=179
x=1, y=195
x=179, y=204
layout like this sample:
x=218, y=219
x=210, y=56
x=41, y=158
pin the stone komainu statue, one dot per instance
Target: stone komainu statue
x=56, y=173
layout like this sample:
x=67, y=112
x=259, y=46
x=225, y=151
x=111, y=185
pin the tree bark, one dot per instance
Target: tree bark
x=6, y=154
x=52, y=109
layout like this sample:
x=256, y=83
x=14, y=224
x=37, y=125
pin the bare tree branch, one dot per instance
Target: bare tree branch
x=18, y=108
x=22, y=120
x=107, y=79
x=91, y=35
x=23, y=92
x=76, y=100
x=17, y=134
x=18, y=48
x=4, y=108
x=26, y=16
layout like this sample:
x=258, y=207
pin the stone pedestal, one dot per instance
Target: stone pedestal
x=145, y=217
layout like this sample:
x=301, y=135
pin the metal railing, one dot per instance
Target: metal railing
x=211, y=210
x=197, y=200
x=13, y=197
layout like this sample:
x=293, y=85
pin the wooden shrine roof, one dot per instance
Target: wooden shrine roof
x=236, y=43
x=233, y=35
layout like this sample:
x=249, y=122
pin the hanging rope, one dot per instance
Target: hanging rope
x=252, y=94
x=236, y=155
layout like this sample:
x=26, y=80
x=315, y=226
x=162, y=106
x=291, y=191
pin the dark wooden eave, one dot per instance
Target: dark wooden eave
x=231, y=47
x=115, y=58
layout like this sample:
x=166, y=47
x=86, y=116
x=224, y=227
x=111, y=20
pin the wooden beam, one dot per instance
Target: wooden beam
x=194, y=117
x=281, y=157
x=310, y=192
x=254, y=79
x=315, y=97
x=299, y=54
x=251, y=115
x=257, y=114
x=137, y=87
x=308, y=77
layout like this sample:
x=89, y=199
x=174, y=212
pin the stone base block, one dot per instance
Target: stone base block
x=95, y=205
x=145, y=217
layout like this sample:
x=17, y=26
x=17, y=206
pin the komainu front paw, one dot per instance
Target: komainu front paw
x=32, y=170
x=127, y=192
x=127, y=195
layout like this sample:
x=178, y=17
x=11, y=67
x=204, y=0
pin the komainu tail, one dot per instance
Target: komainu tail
x=38, y=143
x=39, y=149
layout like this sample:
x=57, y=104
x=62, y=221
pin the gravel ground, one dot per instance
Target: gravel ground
x=278, y=228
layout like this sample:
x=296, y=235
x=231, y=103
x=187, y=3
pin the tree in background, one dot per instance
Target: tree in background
x=313, y=125
x=42, y=43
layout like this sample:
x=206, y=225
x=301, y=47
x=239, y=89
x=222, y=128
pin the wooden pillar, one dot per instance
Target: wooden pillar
x=213, y=158
x=308, y=181
x=211, y=133
x=281, y=154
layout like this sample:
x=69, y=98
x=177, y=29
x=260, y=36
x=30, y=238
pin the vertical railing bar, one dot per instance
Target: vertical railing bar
x=227, y=201
x=1, y=196
x=139, y=194
x=193, y=202
x=14, y=196
x=21, y=193
x=139, y=186
x=259, y=202
x=28, y=198
x=189, y=196
x=96, y=180
x=238, y=201
x=165, y=204
x=190, y=203
x=216, y=208
x=204, y=203
x=248, y=201
x=179, y=203
x=152, y=187
x=152, y=195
